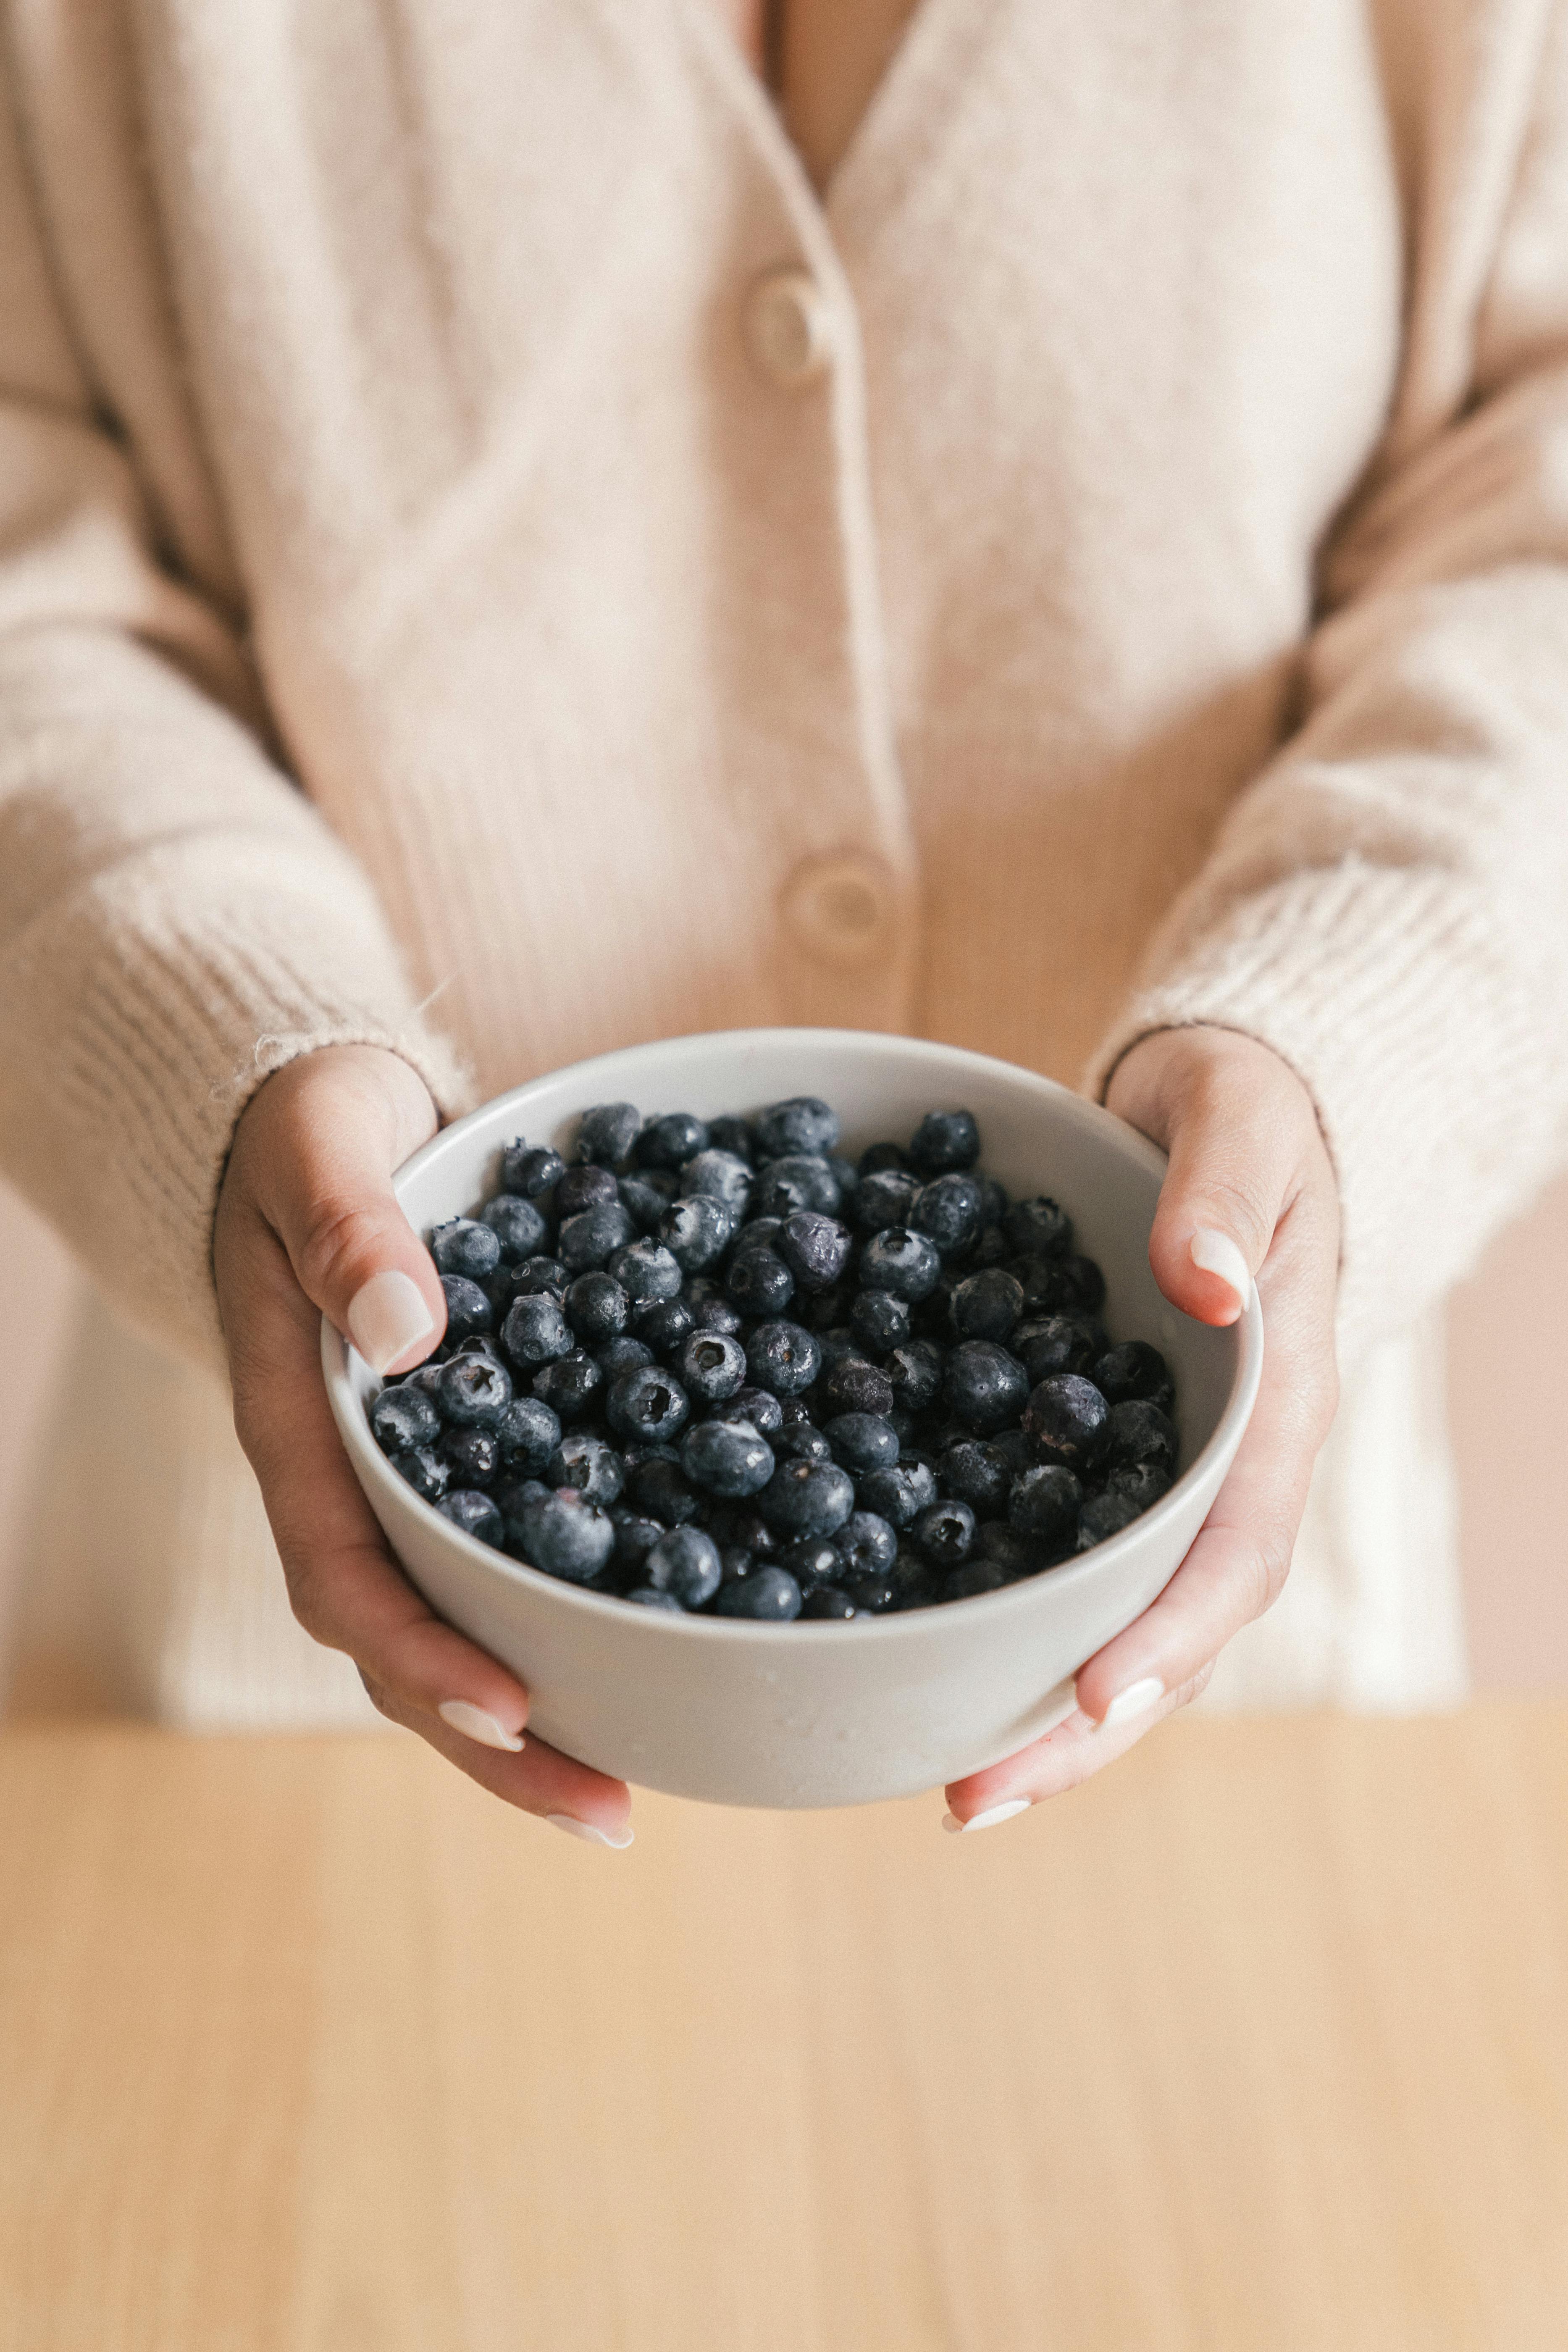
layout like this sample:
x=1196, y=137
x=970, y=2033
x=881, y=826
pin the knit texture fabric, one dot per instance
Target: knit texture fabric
x=421, y=589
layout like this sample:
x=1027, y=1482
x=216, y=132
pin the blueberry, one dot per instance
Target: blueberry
x=787, y=1186
x=1058, y=1343
x=1061, y=1285
x=1139, y=1431
x=584, y=1188
x=885, y=1198
x=803, y=1124
x=878, y=1321
x=403, y=1417
x=866, y=1542
x=535, y=1331
x=529, y=1173
x=512, y=1496
x=647, y=1199
x=593, y=1235
x=1044, y=1503
x=916, y=1374
x=1133, y=1373
x=902, y=1261
x=588, y=1464
x=757, y=1232
x=877, y=1157
x=873, y=1590
x=528, y=1434
x=978, y=1474
x=566, y=1536
x=726, y=1457
x=947, y=1211
x=666, y=1324
x=671, y=1139
x=769, y=1593
x=622, y=1354
x=596, y=1308
x=425, y=1380
x=760, y=1281
x=474, y=1513
x=977, y=1576
x=712, y=1366
x=1015, y=1449
x=709, y=1309
x=782, y=1357
x=759, y=1407
x=1143, y=1482
x=917, y=1581
x=649, y=1596
x=1104, y=1515
x=607, y=1133
x=735, y=1136
x=812, y=1561
x=463, y=1246
x=899, y=1495
x=814, y=1248
x=519, y=1227
x=636, y=1535
x=987, y=1305
x=646, y=1273
x=1067, y=1420
x=1037, y=1228
x=983, y=1386
x=945, y=1532
x=990, y=1249
x=571, y=1386
x=647, y=1402
x=724, y=1174
x=862, y=1442
x=1013, y=1553
x=426, y=1471
x=830, y=1600
x=944, y=1140
x=802, y=1441
x=477, y=1343
x=697, y=1231
x=807, y=1499
x=685, y=1562
x=467, y=1308
x=658, y=1489
x=855, y=1386
x=736, y=1561
x=540, y=1277
x=475, y=1392
x=472, y=1456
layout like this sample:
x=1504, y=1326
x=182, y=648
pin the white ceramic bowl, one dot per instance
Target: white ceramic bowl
x=822, y=1713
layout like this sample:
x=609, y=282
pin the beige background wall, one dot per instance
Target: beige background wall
x=1508, y=1383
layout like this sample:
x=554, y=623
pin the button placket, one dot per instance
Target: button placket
x=789, y=328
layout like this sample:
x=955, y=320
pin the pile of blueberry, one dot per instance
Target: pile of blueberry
x=713, y=1366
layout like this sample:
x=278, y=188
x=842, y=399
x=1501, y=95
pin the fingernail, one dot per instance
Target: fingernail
x=575, y=1828
x=983, y=1821
x=1215, y=1252
x=474, y=1723
x=1136, y=1699
x=387, y=1315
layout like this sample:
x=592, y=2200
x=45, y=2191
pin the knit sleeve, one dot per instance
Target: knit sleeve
x=1386, y=907
x=175, y=920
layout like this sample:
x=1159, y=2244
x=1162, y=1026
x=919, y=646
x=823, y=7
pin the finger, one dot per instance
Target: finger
x=349, y=1593
x=1049, y=1767
x=322, y=1180
x=1239, y=1132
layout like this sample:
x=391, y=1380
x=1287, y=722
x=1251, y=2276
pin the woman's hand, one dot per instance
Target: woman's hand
x=1250, y=1193
x=306, y=1224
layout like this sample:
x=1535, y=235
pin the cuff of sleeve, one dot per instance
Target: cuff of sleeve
x=1422, y=1045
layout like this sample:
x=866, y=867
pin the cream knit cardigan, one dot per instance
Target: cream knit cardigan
x=433, y=612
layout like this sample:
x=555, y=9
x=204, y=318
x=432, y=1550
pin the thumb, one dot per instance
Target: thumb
x=328, y=1141
x=1233, y=1118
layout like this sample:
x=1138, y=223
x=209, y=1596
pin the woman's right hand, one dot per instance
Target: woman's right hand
x=306, y=1224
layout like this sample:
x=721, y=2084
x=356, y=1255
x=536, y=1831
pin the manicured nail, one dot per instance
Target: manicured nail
x=387, y=1315
x=575, y=1828
x=1215, y=1252
x=1136, y=1699
x=475, y=1724
x=983, y=1821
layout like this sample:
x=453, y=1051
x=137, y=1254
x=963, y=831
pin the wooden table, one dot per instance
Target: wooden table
x=1260, y=2041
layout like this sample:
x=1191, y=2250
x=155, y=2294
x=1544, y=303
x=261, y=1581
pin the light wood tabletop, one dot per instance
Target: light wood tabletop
x=1259, y=2041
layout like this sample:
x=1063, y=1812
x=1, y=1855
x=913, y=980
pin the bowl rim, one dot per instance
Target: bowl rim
x=353, y=1422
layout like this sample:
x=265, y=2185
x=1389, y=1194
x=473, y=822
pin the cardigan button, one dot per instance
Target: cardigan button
x=788, y=329
x=840, y=908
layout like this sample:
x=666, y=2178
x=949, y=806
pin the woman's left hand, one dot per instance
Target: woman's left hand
x=1250, y=1193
